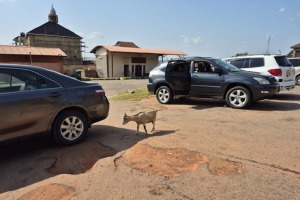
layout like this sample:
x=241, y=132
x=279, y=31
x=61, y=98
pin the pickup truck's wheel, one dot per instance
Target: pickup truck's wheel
x=164, y=95
x=298, y=80
x=238, y=97
x=69, y=128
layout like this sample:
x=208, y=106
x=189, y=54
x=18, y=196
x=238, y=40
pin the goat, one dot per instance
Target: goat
x=141, y=118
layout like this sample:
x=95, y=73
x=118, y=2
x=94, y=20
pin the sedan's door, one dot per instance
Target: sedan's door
x=27, y=102
x=207, y=80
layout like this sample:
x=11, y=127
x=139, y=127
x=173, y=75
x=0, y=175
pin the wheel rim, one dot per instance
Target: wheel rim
x=238, y=98
x=163, y=95
x=71, y=128
x=298, y=80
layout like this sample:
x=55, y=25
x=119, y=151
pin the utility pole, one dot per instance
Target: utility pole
x=268, y=45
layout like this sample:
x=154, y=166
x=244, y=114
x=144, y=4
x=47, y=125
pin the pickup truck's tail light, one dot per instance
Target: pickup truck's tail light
x=100, y=92
x=275, y=72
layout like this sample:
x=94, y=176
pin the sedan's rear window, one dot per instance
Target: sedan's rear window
x=283, y=61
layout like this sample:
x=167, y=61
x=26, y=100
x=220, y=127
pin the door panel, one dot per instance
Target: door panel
x=178, y=75
x=206, y=81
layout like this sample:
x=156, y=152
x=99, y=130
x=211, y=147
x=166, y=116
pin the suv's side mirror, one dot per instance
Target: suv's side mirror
x=218, y=70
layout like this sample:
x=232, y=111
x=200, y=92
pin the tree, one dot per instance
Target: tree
x=241, y=54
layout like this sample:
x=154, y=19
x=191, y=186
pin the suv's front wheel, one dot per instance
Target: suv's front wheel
x=238, y=97
x=164, y=95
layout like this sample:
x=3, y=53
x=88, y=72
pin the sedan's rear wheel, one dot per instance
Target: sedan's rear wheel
x=69, y=128
x=238, y=97
x=164, y=95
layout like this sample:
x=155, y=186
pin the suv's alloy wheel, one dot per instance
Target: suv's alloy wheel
x=238, y=97
x=164, y=95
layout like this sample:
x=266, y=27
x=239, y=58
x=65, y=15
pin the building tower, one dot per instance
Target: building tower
x=52, y=17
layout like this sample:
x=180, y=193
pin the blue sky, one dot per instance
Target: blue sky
x=199, y=28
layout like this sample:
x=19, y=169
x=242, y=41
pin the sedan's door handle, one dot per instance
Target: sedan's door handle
x=55, y=94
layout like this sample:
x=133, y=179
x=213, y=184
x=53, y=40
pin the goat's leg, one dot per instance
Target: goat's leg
x=153, y=128
x=138, y=127
x=145, y=128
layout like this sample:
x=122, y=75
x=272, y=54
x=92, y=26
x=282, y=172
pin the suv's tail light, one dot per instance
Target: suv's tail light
x=100, y=92
x=275, y=72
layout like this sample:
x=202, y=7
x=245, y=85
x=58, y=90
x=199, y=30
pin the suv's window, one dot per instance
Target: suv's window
x=200, y=66
x=295, y=62
x=257, y=62
x=283, y=61
x=238, y=63
x=178, y=66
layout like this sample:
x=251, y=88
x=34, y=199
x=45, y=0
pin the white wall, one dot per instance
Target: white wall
x=116, y=62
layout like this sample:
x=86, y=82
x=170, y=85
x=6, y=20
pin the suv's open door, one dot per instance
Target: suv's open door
x=178, y=75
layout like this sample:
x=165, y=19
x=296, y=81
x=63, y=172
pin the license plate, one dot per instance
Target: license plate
x=288, y=73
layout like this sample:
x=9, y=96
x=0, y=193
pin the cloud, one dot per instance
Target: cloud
x=281, y=10
x=191, y=40
x=94, y=35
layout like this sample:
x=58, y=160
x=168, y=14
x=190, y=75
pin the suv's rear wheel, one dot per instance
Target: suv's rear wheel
x=298, y=80
x=69, y=128
x=164, y=95
x=238, y=97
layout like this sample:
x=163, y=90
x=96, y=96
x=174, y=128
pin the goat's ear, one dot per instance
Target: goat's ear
x=125, y=115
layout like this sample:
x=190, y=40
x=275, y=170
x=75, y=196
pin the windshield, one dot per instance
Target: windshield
x=226, y=65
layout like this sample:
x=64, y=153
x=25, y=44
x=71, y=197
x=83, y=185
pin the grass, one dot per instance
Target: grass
x=135, y=95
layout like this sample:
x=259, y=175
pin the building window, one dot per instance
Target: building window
x=138, y=60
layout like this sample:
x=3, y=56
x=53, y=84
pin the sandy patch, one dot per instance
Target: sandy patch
x=50, y=192
x=225, y=167
x=161, y=161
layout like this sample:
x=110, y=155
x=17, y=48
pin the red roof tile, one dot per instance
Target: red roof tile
x=139, y=50
x=26, y=50
x=297, y=46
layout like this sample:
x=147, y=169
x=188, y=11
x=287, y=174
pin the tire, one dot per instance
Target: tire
x=238, y=97
x=298, y=80
x=69, y=128
x=164, y=95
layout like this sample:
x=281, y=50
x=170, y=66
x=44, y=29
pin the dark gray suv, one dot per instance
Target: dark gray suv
x=209, y=77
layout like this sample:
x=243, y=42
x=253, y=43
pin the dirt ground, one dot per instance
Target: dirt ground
x=200, y=149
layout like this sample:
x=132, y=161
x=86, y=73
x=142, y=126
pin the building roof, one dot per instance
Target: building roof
x=26, y=50
x=297, y=46
x=138, y=50
x=126, y=44
x=53, y=29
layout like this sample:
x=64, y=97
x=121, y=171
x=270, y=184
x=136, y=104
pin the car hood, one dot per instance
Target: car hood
x=249, y=74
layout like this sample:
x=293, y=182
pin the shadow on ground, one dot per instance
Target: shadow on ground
x=29, y=161
x=284, y=103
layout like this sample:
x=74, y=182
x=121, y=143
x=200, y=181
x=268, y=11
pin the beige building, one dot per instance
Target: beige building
x=125, y=59
x=296, y=51
x=53, y=35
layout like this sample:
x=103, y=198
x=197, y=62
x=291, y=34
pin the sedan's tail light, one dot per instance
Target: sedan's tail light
x=275, y=72
x=100, y=92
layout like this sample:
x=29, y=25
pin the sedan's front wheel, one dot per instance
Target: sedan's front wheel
x=69, y=128
x=164, y=95
x=238, y=97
